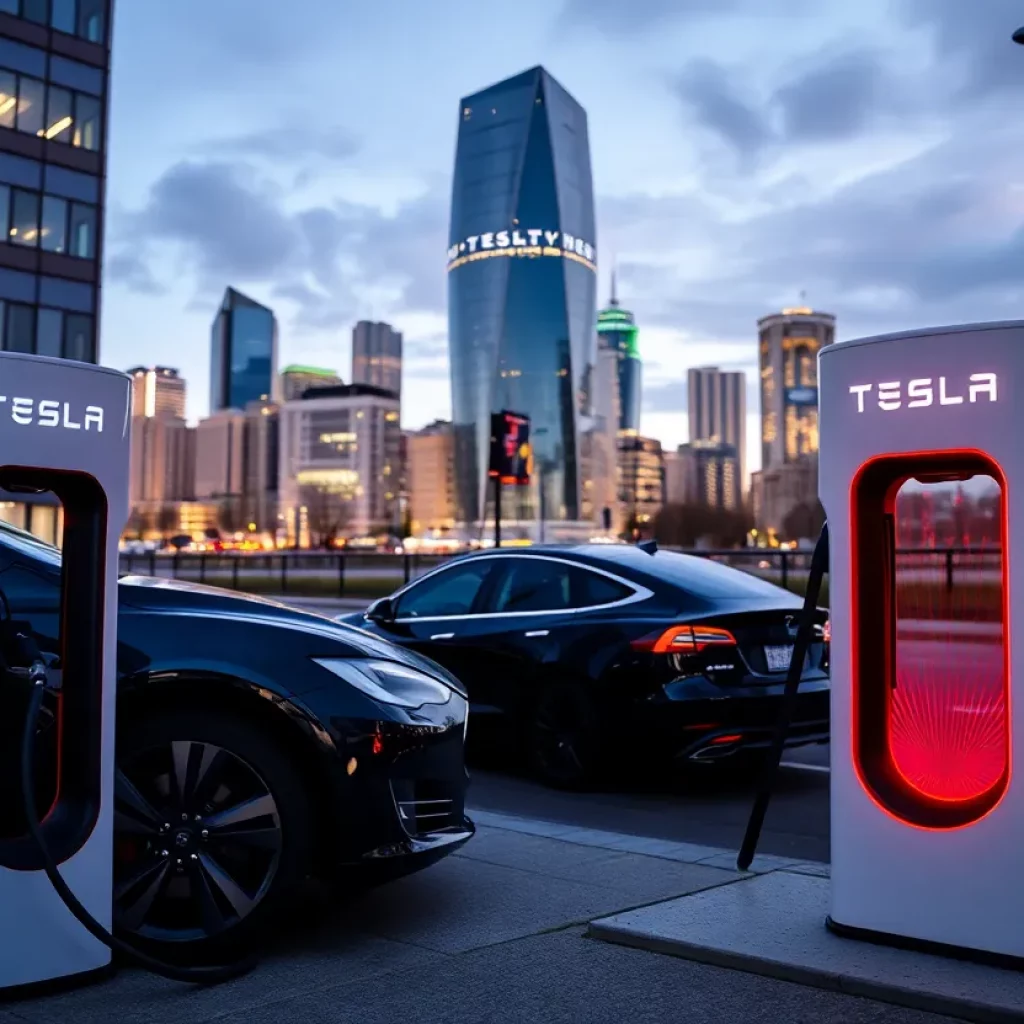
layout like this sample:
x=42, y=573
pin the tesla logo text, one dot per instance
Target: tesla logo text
x=923, y=391
x=49, y=413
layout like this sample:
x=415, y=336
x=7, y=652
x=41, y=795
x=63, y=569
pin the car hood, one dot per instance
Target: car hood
x=156, y=594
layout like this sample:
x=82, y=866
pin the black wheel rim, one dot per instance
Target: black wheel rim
x=197, y=842
x=558, y=739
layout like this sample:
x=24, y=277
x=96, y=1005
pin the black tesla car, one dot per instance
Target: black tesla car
x=257, y=746
x=594, y=658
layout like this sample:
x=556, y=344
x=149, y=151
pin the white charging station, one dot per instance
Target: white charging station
x=927, y=820
x=64, y=428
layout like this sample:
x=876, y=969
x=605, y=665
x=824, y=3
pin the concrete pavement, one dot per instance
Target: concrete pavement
x=493, y=934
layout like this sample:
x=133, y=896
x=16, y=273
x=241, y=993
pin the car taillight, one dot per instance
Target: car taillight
x=826, y=632
x=684, y=640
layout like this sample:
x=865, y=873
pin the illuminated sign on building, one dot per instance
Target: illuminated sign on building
x=510, y=448
x=921, y=392
x=802, y=396
x=522, y=242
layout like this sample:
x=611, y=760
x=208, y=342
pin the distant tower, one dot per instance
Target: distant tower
x=377, y=356
x=617, y=330
x=243, y=353
x=788, y=348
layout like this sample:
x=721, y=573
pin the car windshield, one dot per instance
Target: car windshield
x=25, y=543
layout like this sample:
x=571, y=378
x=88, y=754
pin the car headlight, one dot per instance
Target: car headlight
x=388, y=682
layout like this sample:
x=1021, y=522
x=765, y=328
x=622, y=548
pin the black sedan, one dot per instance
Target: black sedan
x=596, y=657
x=257, y=746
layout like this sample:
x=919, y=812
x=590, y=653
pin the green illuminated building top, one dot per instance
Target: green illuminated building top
x=617, y=330
x=311, y=371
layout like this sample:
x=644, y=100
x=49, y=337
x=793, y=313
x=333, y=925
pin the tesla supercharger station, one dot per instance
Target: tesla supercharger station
x=927, y=819
x=64, y=428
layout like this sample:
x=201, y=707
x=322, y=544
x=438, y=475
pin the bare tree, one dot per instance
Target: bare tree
x=804, y=521
x=327, y=515
x=167, y=520
x=229, y=515
x=684, y=525
x=139, y=523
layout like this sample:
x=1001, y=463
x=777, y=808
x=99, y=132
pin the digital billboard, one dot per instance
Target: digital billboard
x=510, y=448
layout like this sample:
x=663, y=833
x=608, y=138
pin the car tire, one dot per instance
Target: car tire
x=565, y=738
x=221, y=887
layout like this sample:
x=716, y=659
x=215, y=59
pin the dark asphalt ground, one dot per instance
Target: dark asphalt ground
x=703, y=809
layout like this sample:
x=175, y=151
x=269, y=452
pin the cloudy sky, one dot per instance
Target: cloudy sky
x=867, y=154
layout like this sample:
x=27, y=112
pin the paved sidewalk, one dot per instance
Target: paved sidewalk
x=493, y=934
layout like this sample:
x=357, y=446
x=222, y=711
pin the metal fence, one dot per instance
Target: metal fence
x=369, y=573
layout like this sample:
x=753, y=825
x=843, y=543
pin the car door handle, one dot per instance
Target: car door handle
x=537, y=632
x=442, y=636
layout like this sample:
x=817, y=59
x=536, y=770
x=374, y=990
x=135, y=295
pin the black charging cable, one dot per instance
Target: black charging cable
x=801, y=645
x=28, y=652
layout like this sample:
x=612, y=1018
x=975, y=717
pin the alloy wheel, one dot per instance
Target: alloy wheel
x=198, y=841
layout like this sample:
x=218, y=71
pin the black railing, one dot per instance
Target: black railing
x=365, y=574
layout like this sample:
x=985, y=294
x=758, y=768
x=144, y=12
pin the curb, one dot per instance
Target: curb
x=619, y=842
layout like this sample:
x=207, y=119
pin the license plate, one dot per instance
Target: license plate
x=779, y=657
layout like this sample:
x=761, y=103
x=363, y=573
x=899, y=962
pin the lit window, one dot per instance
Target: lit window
x=55, y=216
x=83, y=231
x=58, y=115
x=31, y=101
x=8, y=98
x=24, y=229
x=87, y=122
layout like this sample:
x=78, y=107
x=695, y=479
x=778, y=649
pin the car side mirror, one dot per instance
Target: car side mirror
x=382, y=610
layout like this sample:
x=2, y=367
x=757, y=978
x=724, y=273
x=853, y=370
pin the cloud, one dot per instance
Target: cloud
x=129, y=269
x=230, y=225
x=617, y=17
x=287, y=145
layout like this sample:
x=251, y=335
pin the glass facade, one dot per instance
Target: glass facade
x=521, y=289
x=788, y=351
x=617, y=330
x=243, y=353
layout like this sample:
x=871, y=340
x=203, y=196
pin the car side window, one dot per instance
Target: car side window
x=534, y=585
x=591, y=589
x=450, y=592
x=29, y=592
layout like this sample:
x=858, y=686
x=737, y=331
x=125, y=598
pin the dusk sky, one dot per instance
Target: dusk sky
x=868, y=154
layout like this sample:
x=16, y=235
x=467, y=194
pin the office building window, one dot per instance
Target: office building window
x=34, y=10
x=58, y=115
x=31, y=105
x=24, y=228
x=8, y=98
x=5, y=208
x=55, y=219
x=62, y=16
x=9, y=6
x=50, y=332
x=87, y=122
x=19, y=329
x=83, y=231
x=78, y=340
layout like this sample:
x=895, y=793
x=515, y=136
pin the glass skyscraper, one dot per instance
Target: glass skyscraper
x=243, y=353
x=617, y=330
x=522, y=270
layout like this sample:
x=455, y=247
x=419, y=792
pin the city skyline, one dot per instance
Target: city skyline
x=722, y=192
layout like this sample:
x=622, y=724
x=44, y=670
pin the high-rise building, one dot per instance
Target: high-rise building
x=163, y=461
x=339, y=464
x=243, y=353
x=220, y=462
x=260, y=462
x=431, y=480
x=717, y=407
x=703, y=473
x=157, y=391
x=54, y=83
x=641, y=478
x=789, y=343
x=377, y=356
x=617, y=330
x=296, y=380
x=604, y=448
x=522, y=276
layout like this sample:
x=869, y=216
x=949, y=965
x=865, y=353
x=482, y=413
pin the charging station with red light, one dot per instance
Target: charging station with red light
x=920, y=451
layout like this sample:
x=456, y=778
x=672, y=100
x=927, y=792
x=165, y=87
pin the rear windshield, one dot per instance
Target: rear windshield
x=705, y=578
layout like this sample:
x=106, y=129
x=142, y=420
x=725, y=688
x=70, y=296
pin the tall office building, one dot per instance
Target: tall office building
x=220, y=457
x=377, y=356
x=54, y=79
x=703, y=473
x=617, y=330
x=157, y=391
x=260, y=462
x=243, y=353
x=339, y=464
x=522, y=278
x=163, y=462
x=296, y=380
x=789, y=343
x=431, y=481
x=717, y=407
